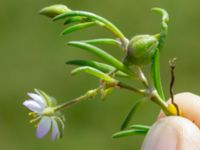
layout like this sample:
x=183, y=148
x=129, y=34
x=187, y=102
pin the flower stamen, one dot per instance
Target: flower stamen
x=35, y=119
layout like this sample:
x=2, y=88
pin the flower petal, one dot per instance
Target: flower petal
x=44, y=96
x=37, y=98
x=61, y=126
x=55, y=130
x=43, y=127
x=33, y=106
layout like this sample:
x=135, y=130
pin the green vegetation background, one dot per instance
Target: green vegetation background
x=32, y=55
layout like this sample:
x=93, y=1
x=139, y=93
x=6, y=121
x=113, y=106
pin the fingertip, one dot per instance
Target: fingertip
x=172, y=133
x=189, y=104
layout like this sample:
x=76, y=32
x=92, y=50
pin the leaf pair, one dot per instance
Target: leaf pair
x=130, y=114
x=97, y=69
x=94, y=18
x=97, y=65
x=133, y=130
x=112, y=61
x=78, y=27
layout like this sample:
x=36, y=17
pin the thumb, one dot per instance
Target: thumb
x=172, y=133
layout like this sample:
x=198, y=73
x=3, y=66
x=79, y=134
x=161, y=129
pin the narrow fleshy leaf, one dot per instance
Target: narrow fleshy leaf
x=163, y=12
x=139, y=126
x=164, y=26
x=130, y=114
x=54, y=10
x=99, y=66
x=103, y=41
x=74, y=20
x=155, y=75
x=155, y=67
x=95, y=17
x=78, y=27
x=93, y=72
x=103, y=55
x=130, y=132
x=79, y=13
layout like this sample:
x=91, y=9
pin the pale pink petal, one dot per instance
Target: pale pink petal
x=43, y=126
x=39, y=99
x=33, y=106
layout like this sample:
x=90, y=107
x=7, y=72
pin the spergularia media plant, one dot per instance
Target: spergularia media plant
x=139, y=52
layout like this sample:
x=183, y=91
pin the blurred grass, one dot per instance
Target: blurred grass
x=33, y=56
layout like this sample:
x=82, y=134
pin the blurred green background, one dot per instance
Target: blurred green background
x=33, y=56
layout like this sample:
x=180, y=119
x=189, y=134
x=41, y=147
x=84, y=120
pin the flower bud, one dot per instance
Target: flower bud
x=54, y=10
x=141, y=50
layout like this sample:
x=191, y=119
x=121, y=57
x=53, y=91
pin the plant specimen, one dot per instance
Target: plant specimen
x=139, y=52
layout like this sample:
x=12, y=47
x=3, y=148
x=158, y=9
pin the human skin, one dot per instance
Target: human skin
x=175, y=132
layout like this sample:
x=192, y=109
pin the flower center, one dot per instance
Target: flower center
x=48, y=111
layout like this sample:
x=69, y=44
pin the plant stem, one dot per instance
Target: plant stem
x=155, y=97
x=131, y=88
x=89, y=94
x=142, y=77
x=153, y=94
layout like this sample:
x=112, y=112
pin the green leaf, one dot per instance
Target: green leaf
x=78, y=27
x=103, y=55
x=92, y=16
x=155, y=66
x=163, y=12
x=97, y=65
x=130, y=114
x=54, y=10
x=103, y=41
x=164, y=26
x=74, y=20
x=94, y=72
x=155, y=75
x=139, y=126
x=129, y=132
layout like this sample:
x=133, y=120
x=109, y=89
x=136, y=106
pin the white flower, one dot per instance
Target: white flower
x=43, y=112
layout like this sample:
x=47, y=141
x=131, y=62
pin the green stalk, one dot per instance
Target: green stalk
x=89, y=94
x=155, y=74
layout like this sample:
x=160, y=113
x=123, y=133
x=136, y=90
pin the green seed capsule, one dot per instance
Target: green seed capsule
x=54, y=10
x=141, y=50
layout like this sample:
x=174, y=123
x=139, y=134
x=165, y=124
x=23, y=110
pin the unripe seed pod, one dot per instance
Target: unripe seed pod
x=141, y=50
x=54, y=10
